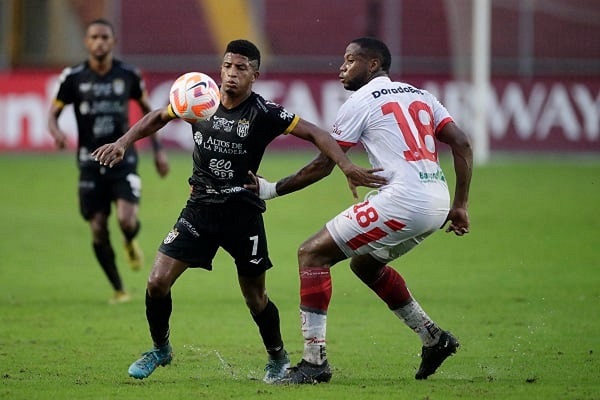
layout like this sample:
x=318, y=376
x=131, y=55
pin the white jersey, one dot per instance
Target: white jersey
x=397, y=123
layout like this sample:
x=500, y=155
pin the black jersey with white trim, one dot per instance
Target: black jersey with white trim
x=101, y=104
x=231, y=143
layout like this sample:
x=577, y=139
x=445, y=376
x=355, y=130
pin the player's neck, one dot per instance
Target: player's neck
x=101, y=66
x=377, y=75
x=230, y=101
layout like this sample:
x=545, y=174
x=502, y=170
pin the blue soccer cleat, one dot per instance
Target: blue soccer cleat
x=276, y=369
x=150, y=360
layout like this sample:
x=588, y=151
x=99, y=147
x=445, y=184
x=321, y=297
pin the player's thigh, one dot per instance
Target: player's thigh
x=94, y=196
x=247, y=244
x=126, y=187
x=190, y=243
x=127, y=212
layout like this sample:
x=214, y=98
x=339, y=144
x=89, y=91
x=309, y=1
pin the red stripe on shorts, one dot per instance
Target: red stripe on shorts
x=367, y=237
x=394, y=225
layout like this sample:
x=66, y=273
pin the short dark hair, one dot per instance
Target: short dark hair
x=245, y=48
x=375, y=48
x=101, y=21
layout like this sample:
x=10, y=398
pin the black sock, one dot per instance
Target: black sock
x=132, y=234
x=268, y=326
x=106, y=257
x=158, y=313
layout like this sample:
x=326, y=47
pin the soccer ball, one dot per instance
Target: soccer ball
x=194, y=97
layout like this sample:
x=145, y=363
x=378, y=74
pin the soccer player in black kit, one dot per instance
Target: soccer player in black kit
x=220, y=212
x=100, y=89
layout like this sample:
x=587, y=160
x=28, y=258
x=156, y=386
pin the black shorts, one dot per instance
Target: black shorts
x=100, y=186
x=200, y=231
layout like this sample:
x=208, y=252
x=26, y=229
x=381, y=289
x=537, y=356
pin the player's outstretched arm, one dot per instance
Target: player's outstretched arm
x=462, y=153
x=161, y=161
x=321, y=166
x=314, y=171
x=112, y=153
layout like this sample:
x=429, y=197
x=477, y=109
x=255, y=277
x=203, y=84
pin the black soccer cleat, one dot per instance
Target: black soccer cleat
x=307, y=373
x=432, y=357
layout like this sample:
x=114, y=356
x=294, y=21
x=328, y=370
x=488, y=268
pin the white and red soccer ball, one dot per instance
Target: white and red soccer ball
x=194, y=97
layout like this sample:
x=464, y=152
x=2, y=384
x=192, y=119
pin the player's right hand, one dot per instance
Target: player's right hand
x=109, y=154
x=60, y=141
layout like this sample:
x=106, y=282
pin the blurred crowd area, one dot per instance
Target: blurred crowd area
x=542, y=94
x=529, y=38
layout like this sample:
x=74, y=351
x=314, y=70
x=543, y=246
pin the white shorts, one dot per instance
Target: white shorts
x=385, y=227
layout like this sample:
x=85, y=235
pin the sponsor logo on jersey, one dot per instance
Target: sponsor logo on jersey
x=221, y=168
x=171, y=236
x=243, y=128
x=285, y=114
x=198, y=138
x=399, y=89
x=234, y=189
x=432, y=176
x=119, y=86
x=85, y=87
x=222, y=124
x=84, y=108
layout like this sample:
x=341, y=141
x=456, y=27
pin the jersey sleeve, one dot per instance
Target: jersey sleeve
x=65, y=94
x=441, y=116
x=350, y=122
x=281, y=120
x=138, y=88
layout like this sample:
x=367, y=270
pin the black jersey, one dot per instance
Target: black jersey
x=101, y=105
x=231, y=143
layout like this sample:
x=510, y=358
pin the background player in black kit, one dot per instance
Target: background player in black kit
x=220, y=211
x=100, y=89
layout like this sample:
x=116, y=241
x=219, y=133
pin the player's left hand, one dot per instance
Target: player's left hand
x=109, y=154
x=367, y=177
x=161, y=162
x=262, y=187
x=459, y=221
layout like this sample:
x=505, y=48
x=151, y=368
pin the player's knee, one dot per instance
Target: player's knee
x=128, y=223
x=313, y=253
x=158, y=286
x=306, y=253
x=256, y=304
x=99, y=233
x=256, y=299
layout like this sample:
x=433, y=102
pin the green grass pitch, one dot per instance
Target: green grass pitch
x=521, y=292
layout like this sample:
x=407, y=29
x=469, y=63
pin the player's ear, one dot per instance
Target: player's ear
x=374, y=65
x=256, y=75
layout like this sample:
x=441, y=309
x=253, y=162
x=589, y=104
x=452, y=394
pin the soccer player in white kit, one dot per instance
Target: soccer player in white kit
x=398, y=125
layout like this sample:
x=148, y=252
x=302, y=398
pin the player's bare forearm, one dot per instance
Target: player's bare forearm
x=148, y=125
x=331, y=154
x=112, y=153
x=60, y=139
x=462, y=154
x=317, y=169
x=463, y=167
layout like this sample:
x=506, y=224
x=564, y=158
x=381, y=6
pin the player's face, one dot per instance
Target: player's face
x=99, y=40
x=354, y=71
x=237, y=74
